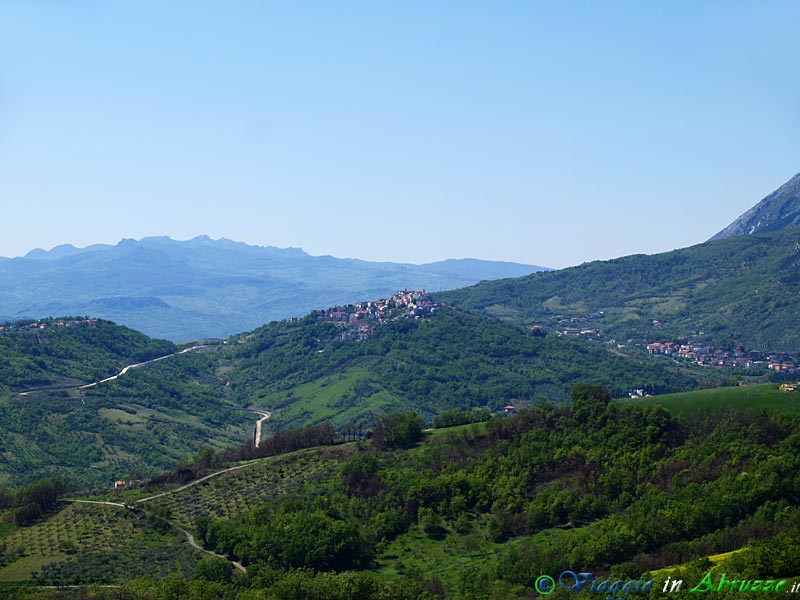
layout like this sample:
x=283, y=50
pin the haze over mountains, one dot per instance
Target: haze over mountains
x=211, y=288
x=743, y=290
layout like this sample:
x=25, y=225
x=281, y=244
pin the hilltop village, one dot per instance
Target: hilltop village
x=42, y=324
x=358, y=321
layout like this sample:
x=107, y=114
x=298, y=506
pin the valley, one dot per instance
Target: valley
x=151, y=413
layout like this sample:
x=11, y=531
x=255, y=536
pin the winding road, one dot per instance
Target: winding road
x=262, y=413
x=189, y=537
x=136, y=366
x=193, y=483
x=113, y=377
x=264, y=416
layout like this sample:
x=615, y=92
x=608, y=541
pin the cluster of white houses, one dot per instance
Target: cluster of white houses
x=358, y=320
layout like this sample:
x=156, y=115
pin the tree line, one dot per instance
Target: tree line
x=27, y=504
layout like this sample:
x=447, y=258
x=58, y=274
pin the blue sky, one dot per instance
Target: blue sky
x=551, y=133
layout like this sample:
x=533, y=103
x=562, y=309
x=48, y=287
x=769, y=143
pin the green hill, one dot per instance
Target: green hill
x=49, y=425
x=767, y=397
x=304, y=373
x=71, y=351
x=742, y=290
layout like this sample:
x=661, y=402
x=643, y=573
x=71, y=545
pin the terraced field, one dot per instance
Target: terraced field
x=238, y=490
x=101, y=543
x=62, y=548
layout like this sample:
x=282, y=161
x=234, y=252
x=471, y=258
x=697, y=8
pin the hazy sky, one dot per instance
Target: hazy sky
x=550, y=133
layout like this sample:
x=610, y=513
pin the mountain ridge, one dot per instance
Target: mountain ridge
x=211, y=288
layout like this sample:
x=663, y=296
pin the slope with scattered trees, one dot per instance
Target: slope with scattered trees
x=742, y=290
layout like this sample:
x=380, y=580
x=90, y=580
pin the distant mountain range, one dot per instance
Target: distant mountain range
x=211, y=288
x=742, y=288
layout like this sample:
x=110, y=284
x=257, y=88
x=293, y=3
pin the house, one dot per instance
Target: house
x=119, y=484
x=510, y=410
x=661, y=348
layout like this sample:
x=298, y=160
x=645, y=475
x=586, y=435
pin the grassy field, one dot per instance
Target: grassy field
x=749, y=397
x=333, y=397
x=714, y=559
x=450, y=557
x=456, y=430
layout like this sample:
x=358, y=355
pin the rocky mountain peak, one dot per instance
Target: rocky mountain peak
x=779, y=210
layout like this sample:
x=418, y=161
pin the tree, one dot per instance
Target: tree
x=309, y=539
x=397, y=430
x=589, y=400
x=360, y=475
x=213, y=568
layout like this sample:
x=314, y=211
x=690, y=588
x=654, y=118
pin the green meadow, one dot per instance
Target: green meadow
x=747, y=397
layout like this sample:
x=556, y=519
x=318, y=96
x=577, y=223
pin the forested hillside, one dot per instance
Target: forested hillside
x=59, y=352
x=51, y=425
x=738, y=291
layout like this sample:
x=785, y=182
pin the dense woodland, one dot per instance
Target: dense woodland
x=631, y=490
